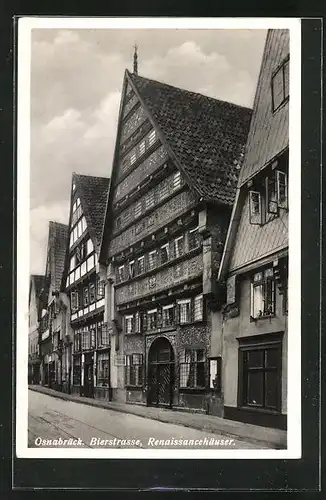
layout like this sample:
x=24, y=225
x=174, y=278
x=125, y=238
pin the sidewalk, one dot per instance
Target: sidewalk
x=272, y=438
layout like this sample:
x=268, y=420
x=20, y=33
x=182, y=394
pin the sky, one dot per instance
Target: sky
x=76, y=81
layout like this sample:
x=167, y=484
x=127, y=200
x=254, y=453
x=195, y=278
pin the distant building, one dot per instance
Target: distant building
x=89, y=373
x=50, y=327
x=255, y=259
x=35, y=287
x=173, y=184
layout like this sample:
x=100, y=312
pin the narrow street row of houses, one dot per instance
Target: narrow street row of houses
x=168, y=287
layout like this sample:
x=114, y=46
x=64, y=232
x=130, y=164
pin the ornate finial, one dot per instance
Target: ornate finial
x=135, y=60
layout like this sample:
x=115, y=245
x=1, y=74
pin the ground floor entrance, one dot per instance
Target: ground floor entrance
x=88, y=386
x=161, y=373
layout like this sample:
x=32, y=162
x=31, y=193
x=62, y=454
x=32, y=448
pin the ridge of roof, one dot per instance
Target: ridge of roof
x=205, y=136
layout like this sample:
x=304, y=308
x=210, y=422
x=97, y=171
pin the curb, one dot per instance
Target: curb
x=159, y=418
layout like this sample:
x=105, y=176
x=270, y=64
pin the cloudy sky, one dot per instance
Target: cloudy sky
x=76, y=85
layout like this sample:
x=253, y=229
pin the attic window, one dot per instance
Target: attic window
x=280, y=85
x=255, y=207
x=152, y=138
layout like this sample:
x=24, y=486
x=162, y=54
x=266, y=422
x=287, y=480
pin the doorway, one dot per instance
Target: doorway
x=88, y=376
x=161, y=373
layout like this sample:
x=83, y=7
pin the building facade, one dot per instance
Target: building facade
x=35, y=287
x=255, y=259
x=89, y=354
x=173, y=183
x=51, y=316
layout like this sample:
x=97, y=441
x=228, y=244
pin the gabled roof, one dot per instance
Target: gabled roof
x=205, y=136
x=57, y=244
x=93, y=193
x=38, y=281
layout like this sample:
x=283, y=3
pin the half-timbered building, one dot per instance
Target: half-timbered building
x=173, y=184
x=255, y=258
x=89, y=373
x=50, y=327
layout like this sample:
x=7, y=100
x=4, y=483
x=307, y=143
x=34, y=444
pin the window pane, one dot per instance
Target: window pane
x=255, y=359
x=255, y=388
x=257, y=300
x=271, y=385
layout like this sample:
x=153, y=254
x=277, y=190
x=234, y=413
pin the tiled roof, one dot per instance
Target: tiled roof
x=206, y=136
x=93, y=192
x=58, y=240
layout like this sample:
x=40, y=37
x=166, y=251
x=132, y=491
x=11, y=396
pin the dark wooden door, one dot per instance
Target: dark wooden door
x=161, y=373
x=88, y=380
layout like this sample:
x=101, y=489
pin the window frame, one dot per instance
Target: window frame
x=128, y=317
x=258, y=216
x=138, y=368
x=281, y=69
x=263, y=283
x=189, y=365
x=184, y=302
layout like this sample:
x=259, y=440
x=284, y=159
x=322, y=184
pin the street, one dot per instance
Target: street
x=57, y=423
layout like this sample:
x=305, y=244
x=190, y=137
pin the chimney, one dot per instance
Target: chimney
x=135, y=60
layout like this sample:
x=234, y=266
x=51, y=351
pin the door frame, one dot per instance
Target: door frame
x=156, y=364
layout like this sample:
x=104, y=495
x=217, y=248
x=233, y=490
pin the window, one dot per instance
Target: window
x=140, y=265
x=150, y=200
x=100, y=289
x=138, y=209
x=92, y=295
x=121, y=273
x=164, y=253
x=74, y=301
x=72, y=263
x=152, y=319
x=192, y=369
x=134, y=370
x=184, y=307
x=151, y=138
x=76, y=370
x=129, y=324
x=131, y=268
x=132, y=158
x=263, y=293
x=118, y=222
x=271, y=195
x=86, y=296
x=280, y=85
x=103, y=364
x=85, y=339
x=152, y=259
x=176, y=180
x=90, y=246
x=255, y=207
x=142, y=148
x=178, y=246
x=198, y=308
x=281, y=189
x=261, y=375
x=168, y=315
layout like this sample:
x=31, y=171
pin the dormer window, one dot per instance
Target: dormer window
x=280, y=85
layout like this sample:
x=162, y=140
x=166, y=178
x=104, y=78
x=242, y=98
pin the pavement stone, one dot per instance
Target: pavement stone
x=274, y=438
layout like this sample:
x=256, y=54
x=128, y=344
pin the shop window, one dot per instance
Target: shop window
x=260, y=370
x=263, y=294
x=103, y=367
x=184, y=311
x=134, y=370
x=198, y=308
x=152, y=319
x=168, y=315
x=280, y=85
x=192, y=369
x=129, y=324
x=164, y=253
